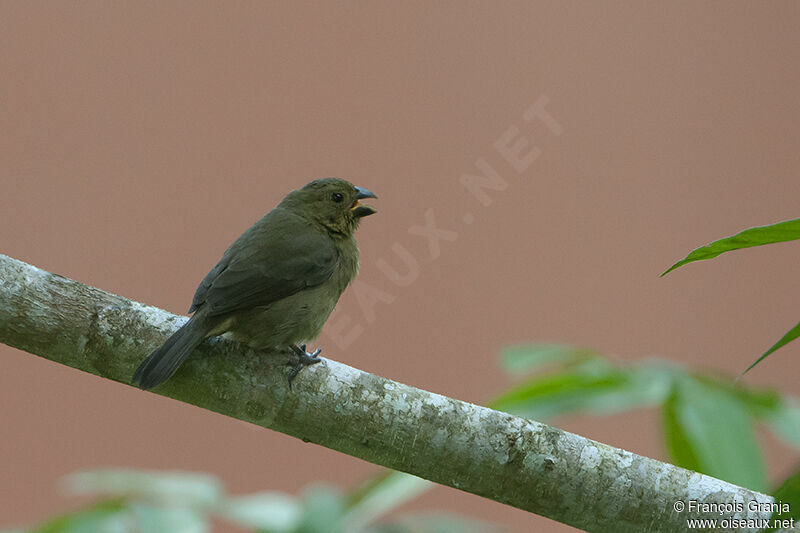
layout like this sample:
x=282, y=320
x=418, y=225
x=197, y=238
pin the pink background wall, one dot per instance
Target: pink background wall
x=138, y=140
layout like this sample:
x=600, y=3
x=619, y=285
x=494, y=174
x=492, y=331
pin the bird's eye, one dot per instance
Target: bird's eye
x=337, y=197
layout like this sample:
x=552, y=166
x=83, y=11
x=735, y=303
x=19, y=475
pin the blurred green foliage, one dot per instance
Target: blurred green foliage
x=708, y=422
x=184, y=502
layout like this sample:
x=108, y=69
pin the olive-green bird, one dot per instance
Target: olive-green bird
x=278, y=283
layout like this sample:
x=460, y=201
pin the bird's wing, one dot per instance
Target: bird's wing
x=279, y=256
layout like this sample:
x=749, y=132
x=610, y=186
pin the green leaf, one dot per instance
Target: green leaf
x=121, y=516
x=383, y=495
x=272, y=511
x=323, y=509
x=181, y=488
x=788, y=230
x=556, y=395
x=679, y=446
x=784, y=421
x=109, y=515
x=529, y=358
x=155, y=519
x=118, y=516
x=710, y=430
x=789, y=492
x=791, y=335
x=762, y=403
x=595, y=386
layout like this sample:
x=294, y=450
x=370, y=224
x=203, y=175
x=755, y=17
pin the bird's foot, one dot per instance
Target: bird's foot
x=304, y=359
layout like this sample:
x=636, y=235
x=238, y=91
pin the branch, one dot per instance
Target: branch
x=505, y=458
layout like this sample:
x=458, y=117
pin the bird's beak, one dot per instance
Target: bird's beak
x=360, y=210
x=362, y=193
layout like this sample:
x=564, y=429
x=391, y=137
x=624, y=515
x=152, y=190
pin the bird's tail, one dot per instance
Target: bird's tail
x=165, y=360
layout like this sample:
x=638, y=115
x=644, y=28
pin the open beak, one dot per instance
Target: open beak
x=360, y=210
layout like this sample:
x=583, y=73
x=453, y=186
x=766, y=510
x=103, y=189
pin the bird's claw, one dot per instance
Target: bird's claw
x=304, y=359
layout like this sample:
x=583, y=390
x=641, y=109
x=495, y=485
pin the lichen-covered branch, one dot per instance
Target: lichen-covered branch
x=505, y=458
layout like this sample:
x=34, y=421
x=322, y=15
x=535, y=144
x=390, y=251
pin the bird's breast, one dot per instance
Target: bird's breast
x=347, y=264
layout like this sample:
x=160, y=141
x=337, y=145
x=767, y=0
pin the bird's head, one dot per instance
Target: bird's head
x=331, y=202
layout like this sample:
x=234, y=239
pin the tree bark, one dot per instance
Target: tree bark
x=508, y=459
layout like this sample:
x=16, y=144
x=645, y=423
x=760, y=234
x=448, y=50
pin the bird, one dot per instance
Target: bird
x=276, y=285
